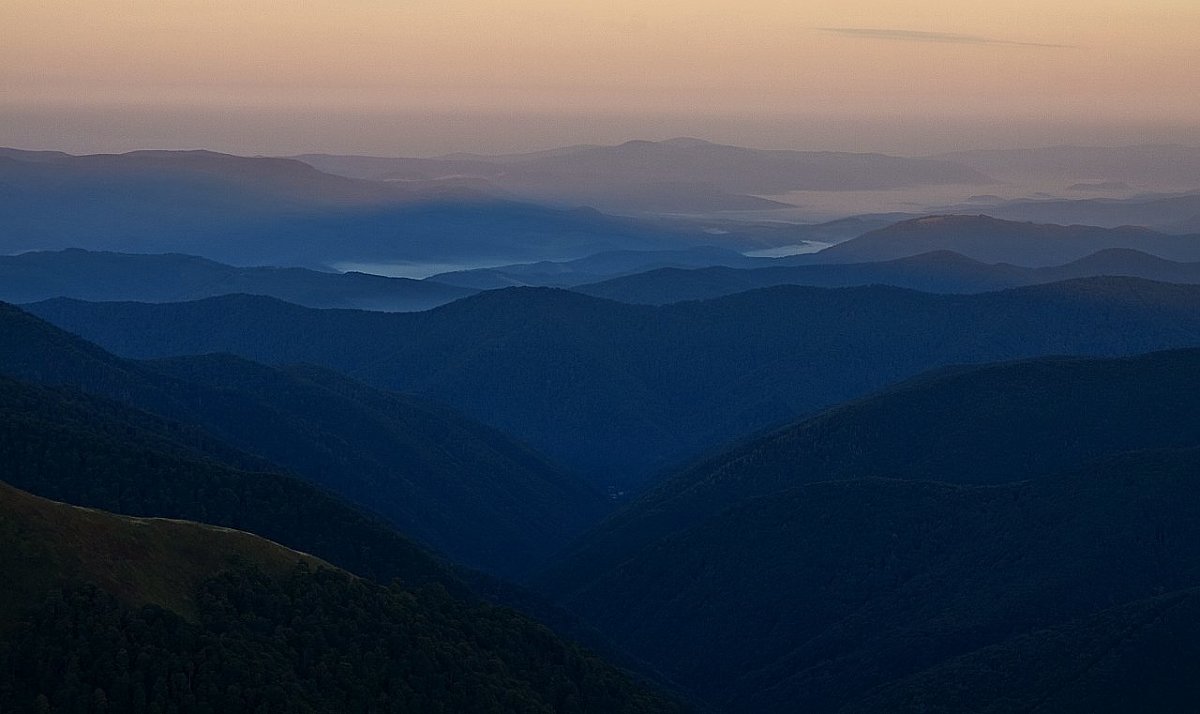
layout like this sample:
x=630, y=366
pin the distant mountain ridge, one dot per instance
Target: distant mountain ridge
x=1172, y=214
x=991, y=240
x=1144, y=165
x=106, y=276
x=674, y=175
x=591, y=268
x=941, y=271
x=270, y=211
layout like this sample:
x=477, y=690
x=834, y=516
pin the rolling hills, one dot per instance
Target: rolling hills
x=142, y=561
x=676, y=175
x=267, y=211
x=896, y=541
x=1150, y=165
x=938, y=272
x=88, y=451
x=457, y=486
x=975, y=425
x=109, y=612
x=571, y=375
x=991, y=240
x=88, y=275
x=593, y=268
x=942, y=271
x=822, y=592
x=1173, y=213
x=1134, y=656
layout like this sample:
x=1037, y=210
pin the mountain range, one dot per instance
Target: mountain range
x=991, y=240
x=267, y=211
x=1175, y=214
x=887, y=542
x=825, y=592
x=676, y=175
x=106, y=276
x=593, y=268
x=1151, y=166
x=457, y=486
x=893, y=462
x=937, y=272
x=570, y=374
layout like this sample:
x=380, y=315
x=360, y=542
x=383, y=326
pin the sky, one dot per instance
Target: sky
x=423, y=76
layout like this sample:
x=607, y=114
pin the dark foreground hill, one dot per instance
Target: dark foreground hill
x=70, y=447
x=573, y=375
x=938, y=272
x=821, y=593
x=459, y=487
x=88, y=275
x=108, y=613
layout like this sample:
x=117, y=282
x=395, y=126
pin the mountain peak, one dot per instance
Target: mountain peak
x=686, y=142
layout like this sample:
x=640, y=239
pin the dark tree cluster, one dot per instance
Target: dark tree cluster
x=317, y=641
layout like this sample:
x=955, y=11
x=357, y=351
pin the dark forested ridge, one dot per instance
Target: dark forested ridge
x=1139, y=656
x=573, y=375
x=84, y=450
x=938, y=272
x=107, y=613
x=967, y=425
x=460, y=487
x=823, y=592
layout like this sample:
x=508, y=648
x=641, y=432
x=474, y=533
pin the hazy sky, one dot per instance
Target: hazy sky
x=333, y=64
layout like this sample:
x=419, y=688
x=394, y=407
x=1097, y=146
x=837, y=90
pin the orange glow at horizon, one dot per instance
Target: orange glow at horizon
x=1116, y=59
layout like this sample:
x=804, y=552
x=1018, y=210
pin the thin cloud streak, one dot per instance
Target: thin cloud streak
x=878, y=33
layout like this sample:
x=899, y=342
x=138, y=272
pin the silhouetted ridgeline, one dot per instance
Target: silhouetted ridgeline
x=681, y=174
x=88, y=451
x=991, y=240
x=572, y=375
x=88, y=275
x=937, y=272
x=460, y=487
x=967, y=425
x=266, y=211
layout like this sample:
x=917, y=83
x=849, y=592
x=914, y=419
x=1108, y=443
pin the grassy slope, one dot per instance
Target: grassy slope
x=143, y=561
